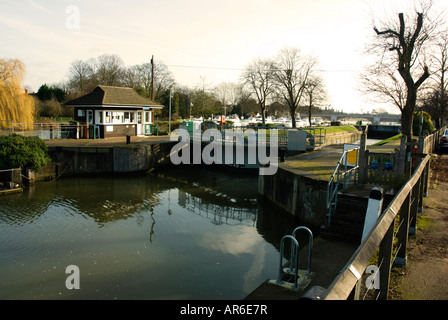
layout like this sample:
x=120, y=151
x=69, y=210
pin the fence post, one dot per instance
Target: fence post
x=384, y=258
x=400, y=167
x=421, y=144
x=421, y=183
x=403, y=232
x=426, y=181
x=362, y=159
x=414, y=208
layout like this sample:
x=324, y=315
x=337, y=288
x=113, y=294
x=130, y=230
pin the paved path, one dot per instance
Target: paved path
x=107, y=142
x=320, y=164
x=425, y=276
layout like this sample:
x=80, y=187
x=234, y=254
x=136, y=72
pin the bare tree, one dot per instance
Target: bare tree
x=163, y=79
x=203, y=100
x=109, y=70
x=139, y=77
x=258, y=78
x=292, y=74
x=436, y=102
x=403, y=46
x=315, y=93
x=80, y=76
x=383, y=84
x=228, y=94
x=222, y=93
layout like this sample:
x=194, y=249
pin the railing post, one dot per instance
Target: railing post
x=384, y=258
x=426, y=181
x=400, y=167
x=421, y=144
x=421, y=183
x=366, y=165
x=414, y=208
x=403, y=232
x=361, y=159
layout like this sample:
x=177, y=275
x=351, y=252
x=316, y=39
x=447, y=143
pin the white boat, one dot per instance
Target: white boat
x=282, y=122
x=234, y=119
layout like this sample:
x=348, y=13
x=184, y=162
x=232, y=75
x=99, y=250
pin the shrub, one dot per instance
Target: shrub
x=24, y=152
x=427, y=123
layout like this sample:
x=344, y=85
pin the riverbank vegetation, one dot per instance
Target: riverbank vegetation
x=17, y=151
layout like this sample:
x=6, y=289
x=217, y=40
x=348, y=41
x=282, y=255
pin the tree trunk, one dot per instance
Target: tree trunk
x=292, y=112
x=406, y=124
x=408, y=113
x=263, y=114
x=309, y=115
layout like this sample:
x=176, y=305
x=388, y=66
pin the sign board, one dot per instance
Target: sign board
x=352, y=156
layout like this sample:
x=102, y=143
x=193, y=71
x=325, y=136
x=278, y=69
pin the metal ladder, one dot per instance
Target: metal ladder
x=294, y=260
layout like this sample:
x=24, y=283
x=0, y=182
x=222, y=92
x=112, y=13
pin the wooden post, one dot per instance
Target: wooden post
x=362, y=159
x=384, y=258
x=401, y=161
x=414, y=208
x=425, y=185
x=403, y=232
x=421, y=183
x=421, y=144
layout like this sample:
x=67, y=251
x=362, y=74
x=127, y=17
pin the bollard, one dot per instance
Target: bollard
x=282, y=154
x=373, y=210
x=128, y=139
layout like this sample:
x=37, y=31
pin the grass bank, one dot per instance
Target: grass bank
x=380, y=143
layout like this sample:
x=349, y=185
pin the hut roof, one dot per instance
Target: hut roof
x=113, y=96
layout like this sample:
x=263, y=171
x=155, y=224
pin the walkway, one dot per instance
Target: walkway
x=107, y=142
x=320, y=164
x=425, y=276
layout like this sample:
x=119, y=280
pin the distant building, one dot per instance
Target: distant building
x=114, y=112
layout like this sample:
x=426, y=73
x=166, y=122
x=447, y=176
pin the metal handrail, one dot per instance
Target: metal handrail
x=382, y=236
x=295, y=244
x=333, y=184
x=310, y=246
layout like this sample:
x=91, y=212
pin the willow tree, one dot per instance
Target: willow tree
x=15, y=104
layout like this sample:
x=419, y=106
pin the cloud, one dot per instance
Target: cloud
x=243, y=241
x=41, y=8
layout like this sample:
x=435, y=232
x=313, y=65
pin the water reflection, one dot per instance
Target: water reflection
x=179, y=233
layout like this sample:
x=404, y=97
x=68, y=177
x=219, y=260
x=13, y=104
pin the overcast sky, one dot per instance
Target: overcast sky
x=199, y=40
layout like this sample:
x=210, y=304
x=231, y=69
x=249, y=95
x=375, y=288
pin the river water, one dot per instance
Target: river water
x=178, y=233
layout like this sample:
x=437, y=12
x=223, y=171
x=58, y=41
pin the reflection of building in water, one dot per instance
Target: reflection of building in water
x=219, y=214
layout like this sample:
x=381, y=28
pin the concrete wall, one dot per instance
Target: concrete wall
x=302, y=197
x=344, y=137
x=104, y=160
